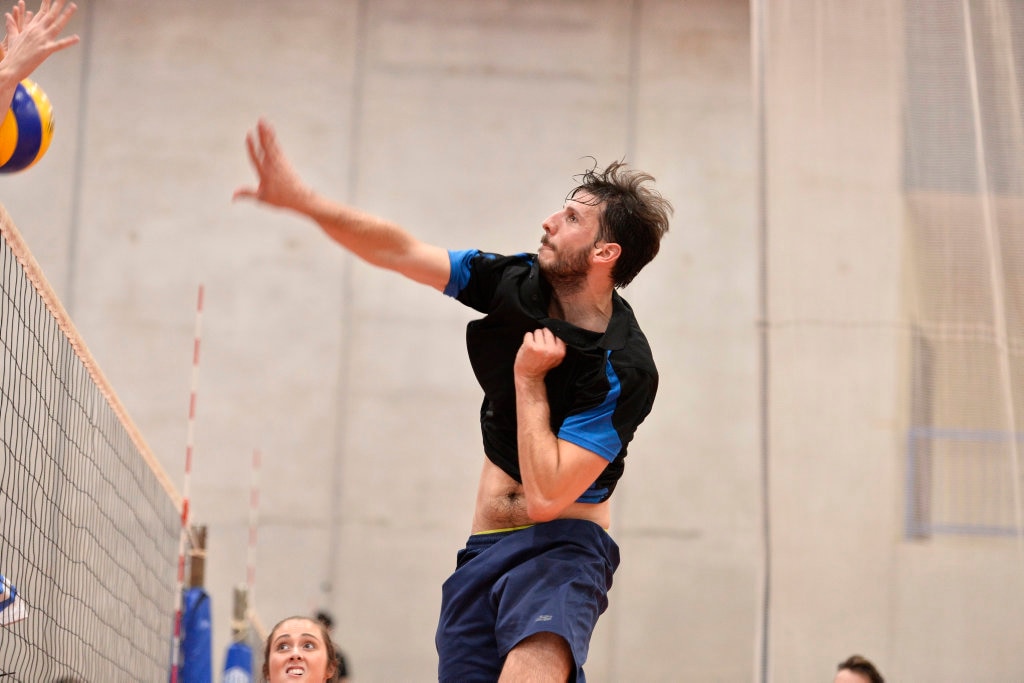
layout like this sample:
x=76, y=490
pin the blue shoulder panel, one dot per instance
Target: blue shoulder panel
x=594, y=429
x=460, y=270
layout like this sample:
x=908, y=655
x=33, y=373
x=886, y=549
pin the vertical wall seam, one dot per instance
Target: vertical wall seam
x=633, y=78
x=632, y=90
x=78, y=164
x=343, y=379
x=757, y=25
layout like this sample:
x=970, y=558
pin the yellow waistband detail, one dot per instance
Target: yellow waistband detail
x=499, y=531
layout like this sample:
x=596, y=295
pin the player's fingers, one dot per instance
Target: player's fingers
x=254, y=153
x=534, y=340
x=546, y=336
x=265, y=130
x=243, y=192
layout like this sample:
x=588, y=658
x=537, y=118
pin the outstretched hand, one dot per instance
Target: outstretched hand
x=279, y=184
x=31, y=38
x=540, y=352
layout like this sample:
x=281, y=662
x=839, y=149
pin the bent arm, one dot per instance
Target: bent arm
x=555, y=472
x=374, y=240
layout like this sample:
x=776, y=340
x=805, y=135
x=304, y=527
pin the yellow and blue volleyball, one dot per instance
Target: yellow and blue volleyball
x=26, y=129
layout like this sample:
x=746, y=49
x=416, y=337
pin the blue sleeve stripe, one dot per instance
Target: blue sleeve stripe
x=593, y=495
x=460, y=271
x=594, y=429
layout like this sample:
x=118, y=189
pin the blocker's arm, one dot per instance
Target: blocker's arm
x=30, y=39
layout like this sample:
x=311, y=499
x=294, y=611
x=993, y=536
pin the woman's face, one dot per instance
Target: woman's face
x=298, y=653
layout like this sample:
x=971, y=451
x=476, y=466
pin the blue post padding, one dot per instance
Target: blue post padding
x=238, y=663
x=196, y=640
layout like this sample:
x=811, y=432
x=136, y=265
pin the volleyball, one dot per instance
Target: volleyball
x=26, y=129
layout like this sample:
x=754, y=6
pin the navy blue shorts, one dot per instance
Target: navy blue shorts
x=509, y=585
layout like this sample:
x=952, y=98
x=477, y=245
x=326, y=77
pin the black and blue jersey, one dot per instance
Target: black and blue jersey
x=598, y=395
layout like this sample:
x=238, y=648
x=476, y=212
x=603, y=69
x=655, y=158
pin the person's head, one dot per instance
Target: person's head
x=299, y=643
x=630, y=214
x=857, y=669
x=325, y=618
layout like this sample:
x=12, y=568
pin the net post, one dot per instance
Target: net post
x=239, y=614
x=197, y=557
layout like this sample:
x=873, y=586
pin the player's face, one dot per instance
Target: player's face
x=297, y=653
x=570, y=235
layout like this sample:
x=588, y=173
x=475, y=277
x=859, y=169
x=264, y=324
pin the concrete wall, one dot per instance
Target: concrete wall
x=465, y=121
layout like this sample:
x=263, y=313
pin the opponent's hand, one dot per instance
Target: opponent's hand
x=279, y=183
x=31, y=38
x=540, y=351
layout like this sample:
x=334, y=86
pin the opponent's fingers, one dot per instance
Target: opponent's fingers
x=63, y=15
x=67, y=41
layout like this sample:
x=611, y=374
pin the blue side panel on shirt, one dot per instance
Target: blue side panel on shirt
x=593, y=429
x=593, y=495
x=460, y=271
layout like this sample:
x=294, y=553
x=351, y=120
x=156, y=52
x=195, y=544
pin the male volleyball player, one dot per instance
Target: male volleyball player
x=30, y=39
x=567, y=377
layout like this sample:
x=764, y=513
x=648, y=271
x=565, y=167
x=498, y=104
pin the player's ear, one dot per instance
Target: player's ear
x=608, y=252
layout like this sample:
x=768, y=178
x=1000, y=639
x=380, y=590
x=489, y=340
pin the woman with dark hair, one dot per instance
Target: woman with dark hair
x=857, y=669
x=299, y=647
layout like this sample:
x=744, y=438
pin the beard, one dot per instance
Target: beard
x=567, y=273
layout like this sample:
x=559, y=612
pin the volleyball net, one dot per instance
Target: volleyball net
x=89, y=522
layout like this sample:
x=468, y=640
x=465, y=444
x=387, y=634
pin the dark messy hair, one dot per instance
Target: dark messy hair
x=635, y=216
x=863, y=666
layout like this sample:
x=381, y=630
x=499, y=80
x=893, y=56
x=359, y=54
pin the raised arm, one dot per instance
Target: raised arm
x=30, y=39
x=375, y=240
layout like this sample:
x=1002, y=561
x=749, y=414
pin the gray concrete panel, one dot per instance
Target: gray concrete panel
x=464, y=121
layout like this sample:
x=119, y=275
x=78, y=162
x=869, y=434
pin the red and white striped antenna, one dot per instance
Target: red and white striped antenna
x=180, y=586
